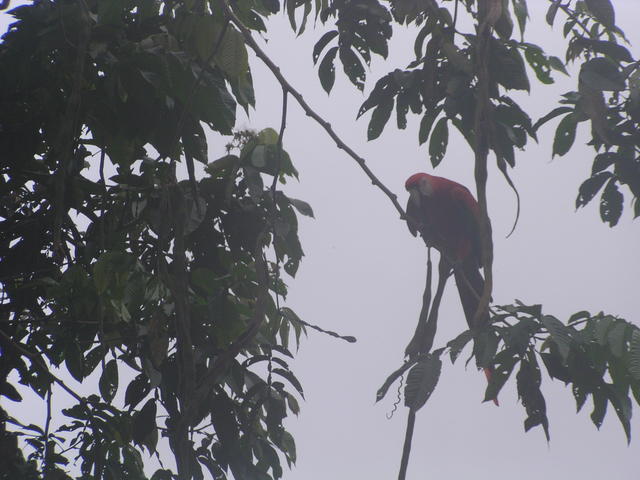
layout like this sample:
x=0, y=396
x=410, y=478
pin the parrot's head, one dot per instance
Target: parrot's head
x=418, y=185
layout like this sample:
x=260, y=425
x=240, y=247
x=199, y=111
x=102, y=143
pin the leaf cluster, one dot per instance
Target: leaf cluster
x=598, y=356
x=608, y=96
x=116, y=268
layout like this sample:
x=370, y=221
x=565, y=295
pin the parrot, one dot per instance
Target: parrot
x=447, y=216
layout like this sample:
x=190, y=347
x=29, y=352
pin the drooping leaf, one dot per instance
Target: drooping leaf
x=602, y=161
x=551, y=115
x=528, y=385
x=137, y=389
x=421, y=382
x=560, y=334
x=322, y=43
x=611, y=203
x=301, y=206
x=616, y=338
x=144, y=422
x=555, y=367
x=426, y=123
x=327, y=70
x=9, y=391
x=522, y=14
x=622, y=406
x=602, y=74
x=613, y=50
x=565, y=135
x=353, y=67
x=379, y=118
x=108, y=383
x=551, y=12
x=603, y=11
x=507, y=67
x=599, y=407
x=439, y=141
x=590, y=187
x=634, y=354
x=457, y=344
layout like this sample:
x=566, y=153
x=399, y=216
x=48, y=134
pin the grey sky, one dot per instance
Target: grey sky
x=363, y=275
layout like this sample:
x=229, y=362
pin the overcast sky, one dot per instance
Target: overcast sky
x=363, y=275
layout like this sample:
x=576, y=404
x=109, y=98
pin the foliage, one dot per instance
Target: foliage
x=120, y=269
x=149, y=288
x=597, y=355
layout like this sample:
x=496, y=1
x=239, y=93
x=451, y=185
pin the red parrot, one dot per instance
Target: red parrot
x=447, y=217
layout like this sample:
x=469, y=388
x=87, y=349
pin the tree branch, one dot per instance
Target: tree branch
x=489, y=12
x=246, y=33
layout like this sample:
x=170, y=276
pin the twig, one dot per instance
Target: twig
x=46, y=466
x=246, y=33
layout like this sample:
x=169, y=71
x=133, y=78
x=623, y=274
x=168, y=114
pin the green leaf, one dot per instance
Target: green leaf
x=622, y=406
x=599, y=407
x=522, y=14
x=74, y=361
x=604, y=161
x=505, y=363
x=504, y=25
x=322, y=43
x=379, y=118
x=485, y=346
x=507, y=67
x=457, y=59
x=552, y=114
x=555, y=367
x=456, y=345
x=611, y=203
x=551, y=12
x=581, y=315
x=580, y=394
x=528, y=385
x=301, y=206
x=421, y=382
x=353, y=67
x=565, y=135
x=560, y=334
x=292, y=379
x=137, y=389
x=590, y=187
x=602, y=74
x=108, y=383
x=327, y=70
x=557, y=64
x=144, y=422
x=232, y=57
x=610, y=49
x=426, y=123
x=539, y=63
x=439, y=142
x=9, y=391
x=603, y=11
x=616, y=338
x=634, y=354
